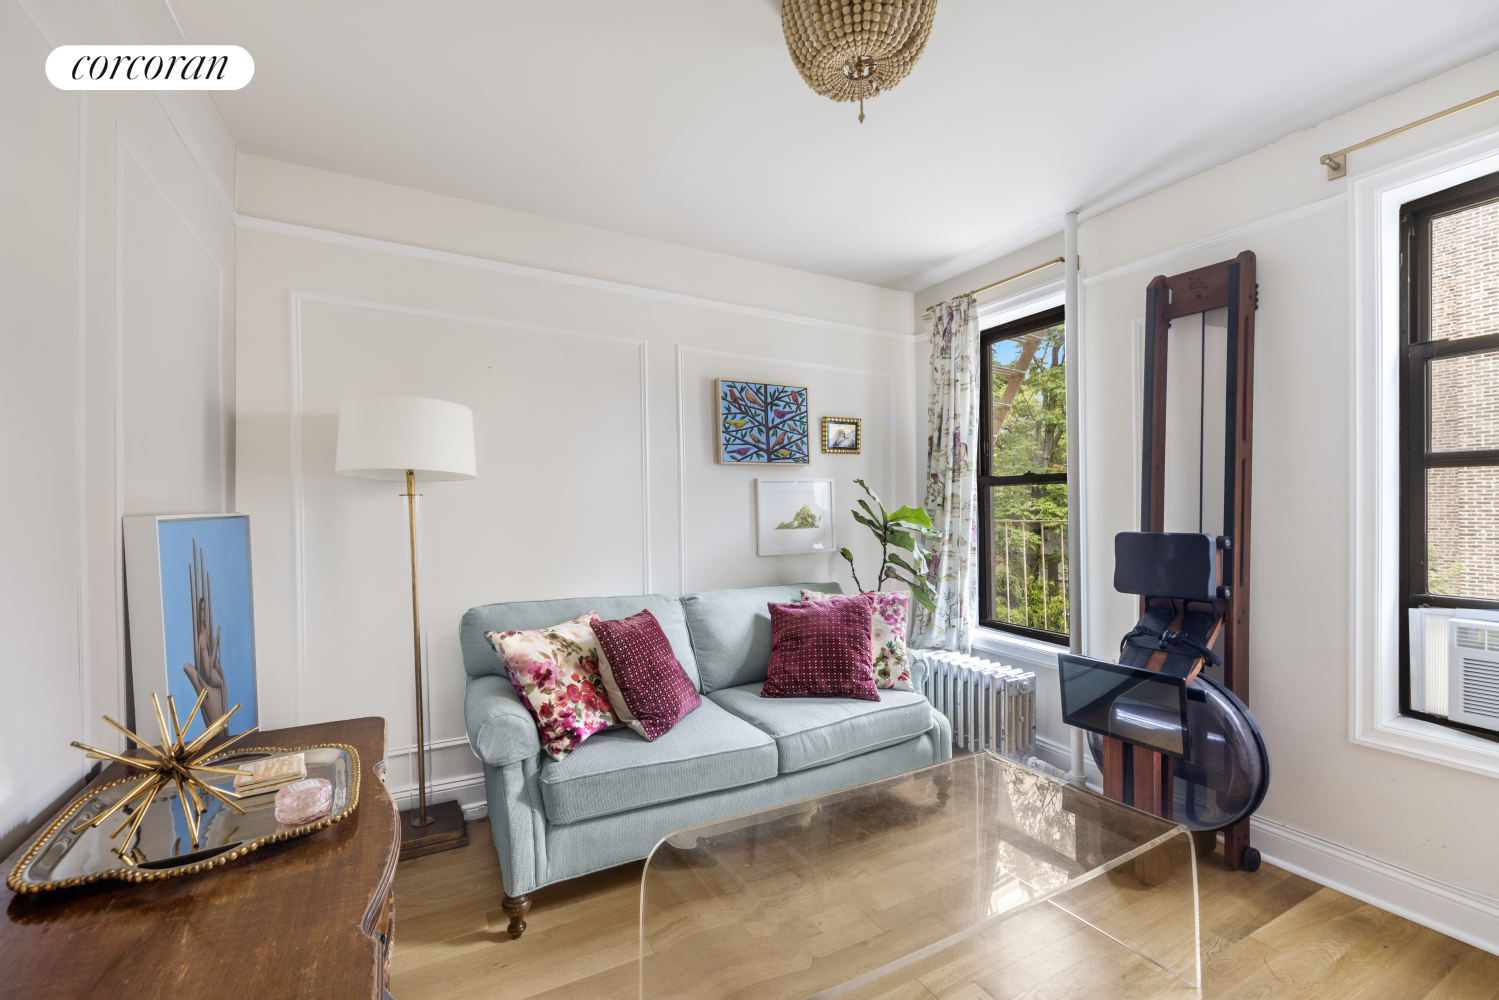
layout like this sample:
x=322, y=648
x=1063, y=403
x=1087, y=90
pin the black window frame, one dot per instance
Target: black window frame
x=1416, y=458
x=986, y=479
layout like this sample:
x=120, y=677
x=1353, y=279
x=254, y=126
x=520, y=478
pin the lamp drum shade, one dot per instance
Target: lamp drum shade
x=380, y=437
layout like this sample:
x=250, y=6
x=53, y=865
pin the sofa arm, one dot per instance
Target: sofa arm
x=500, y=729
x=920, y=668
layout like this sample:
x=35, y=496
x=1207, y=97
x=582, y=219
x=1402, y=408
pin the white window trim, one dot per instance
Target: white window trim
x=1374, y=561
x=1038, y=652
x=1012, y=648
x=1022, y=304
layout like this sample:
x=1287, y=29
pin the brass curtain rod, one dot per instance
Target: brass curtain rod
x=1337, y=163
x=1001, y=281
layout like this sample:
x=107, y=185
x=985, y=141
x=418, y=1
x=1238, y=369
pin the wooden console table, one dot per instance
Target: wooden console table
x=310, y=917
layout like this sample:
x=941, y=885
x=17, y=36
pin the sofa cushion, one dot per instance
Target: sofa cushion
x=480, y=658
x=809, y=732
x=731, y=631
x=616, y=771
x=646, y=685
x=555, y=671
x=821, y=649
x=892, y=661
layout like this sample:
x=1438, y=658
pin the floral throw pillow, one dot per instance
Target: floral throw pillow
x=556, y=673
x=892, y=665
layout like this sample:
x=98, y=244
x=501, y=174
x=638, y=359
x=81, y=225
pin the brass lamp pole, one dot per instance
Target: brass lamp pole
x=421, y=818
x=411, y=438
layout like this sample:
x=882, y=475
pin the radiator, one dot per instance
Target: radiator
x=990, y=706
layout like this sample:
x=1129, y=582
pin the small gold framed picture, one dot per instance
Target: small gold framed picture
x=842, y=435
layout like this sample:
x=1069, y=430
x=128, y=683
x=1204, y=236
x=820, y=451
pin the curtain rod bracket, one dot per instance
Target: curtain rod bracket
x=1337, y=163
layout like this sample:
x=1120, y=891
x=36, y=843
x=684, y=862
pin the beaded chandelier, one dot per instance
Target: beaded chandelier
x=850, y=51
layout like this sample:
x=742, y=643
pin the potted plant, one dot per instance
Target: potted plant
x=900, y=529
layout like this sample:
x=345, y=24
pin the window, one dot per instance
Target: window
x=1023, y=479
x=1449, y=431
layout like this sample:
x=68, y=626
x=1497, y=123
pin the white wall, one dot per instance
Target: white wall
x=588, y=358
x=1411, y=835
x=116, y=370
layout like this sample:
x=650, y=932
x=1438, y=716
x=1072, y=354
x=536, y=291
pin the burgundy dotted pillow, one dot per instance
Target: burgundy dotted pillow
x=822, y=648
x=648, y=688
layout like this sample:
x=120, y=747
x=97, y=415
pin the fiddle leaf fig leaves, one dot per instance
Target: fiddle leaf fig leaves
x=903, y=529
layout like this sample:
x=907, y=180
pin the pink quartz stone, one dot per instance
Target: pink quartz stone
x=304, y=801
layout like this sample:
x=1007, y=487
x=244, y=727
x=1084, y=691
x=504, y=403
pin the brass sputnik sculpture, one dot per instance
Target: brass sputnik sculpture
x=173, y=763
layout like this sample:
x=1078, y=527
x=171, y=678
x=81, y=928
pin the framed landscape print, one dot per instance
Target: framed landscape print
x=192, y=621
x=793, y=518
x=762, y=424
x=842, y=435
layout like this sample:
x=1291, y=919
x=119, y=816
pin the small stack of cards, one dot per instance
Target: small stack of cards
x=271, y=773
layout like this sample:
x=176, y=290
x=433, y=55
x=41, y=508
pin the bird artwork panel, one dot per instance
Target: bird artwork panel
x=762, y=423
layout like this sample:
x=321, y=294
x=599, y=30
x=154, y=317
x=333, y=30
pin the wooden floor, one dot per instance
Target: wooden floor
x=1269, y=935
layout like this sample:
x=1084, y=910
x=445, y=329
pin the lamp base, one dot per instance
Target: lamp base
x=446, y=831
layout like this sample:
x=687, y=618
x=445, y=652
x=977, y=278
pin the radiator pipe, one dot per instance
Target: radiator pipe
x=1074, y=465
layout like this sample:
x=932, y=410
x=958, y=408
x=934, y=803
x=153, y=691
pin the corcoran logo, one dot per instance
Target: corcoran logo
x=149, y=67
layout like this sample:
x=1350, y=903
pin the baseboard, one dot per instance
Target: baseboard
x=467, y=790
x=1459, y=913
x=1059, y=756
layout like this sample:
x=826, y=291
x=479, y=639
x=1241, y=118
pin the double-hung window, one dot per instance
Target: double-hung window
x=1023, y=479
x=1449, y=435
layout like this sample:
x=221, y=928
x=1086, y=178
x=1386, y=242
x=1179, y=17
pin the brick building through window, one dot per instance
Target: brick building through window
x=1449, y=416
x=1462, y=516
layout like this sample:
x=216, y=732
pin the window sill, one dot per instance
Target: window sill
x=1430, y=742
x=1016, y=648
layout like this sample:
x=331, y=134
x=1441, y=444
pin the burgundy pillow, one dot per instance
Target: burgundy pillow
x=822, y=648
x=648, y=688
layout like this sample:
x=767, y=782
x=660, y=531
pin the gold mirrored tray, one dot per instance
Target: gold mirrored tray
x=162, y=846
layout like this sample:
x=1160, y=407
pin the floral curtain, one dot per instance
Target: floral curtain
x=952, y=414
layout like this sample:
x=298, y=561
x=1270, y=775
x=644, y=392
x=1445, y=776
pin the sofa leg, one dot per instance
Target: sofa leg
x=516, y=908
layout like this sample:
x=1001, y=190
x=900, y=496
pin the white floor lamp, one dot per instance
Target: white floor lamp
x=410, y=437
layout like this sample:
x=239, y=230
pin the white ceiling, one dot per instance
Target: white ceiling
x=686, y=121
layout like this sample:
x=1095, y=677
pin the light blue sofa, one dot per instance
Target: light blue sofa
x=612, y=800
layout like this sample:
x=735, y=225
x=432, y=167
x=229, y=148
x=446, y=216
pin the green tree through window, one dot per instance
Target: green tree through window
x=1023, y=490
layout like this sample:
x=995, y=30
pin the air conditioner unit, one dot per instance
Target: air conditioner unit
x=1473, y=672
x=1428, y=658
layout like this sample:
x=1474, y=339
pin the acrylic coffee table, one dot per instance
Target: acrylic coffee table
x=829, y=896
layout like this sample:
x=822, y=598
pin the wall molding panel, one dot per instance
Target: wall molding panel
x=124, y=144
x=296, y=325
x=814, y=430
x=562, y=277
